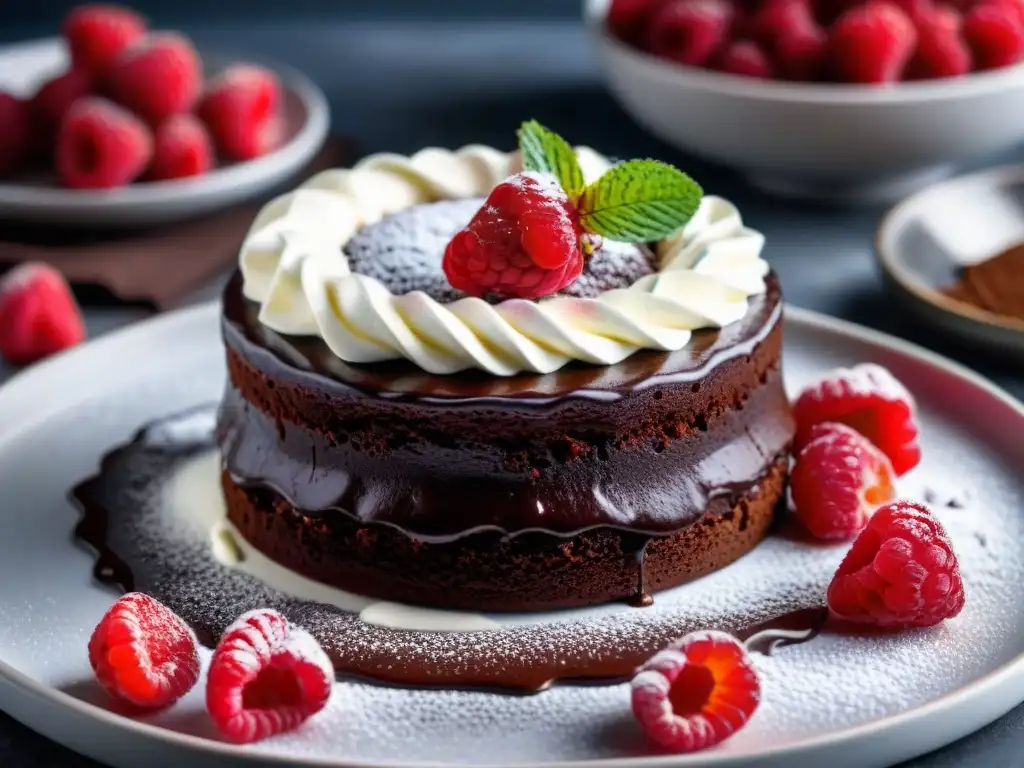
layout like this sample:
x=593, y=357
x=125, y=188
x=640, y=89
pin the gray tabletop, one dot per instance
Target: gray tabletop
x=402, y=85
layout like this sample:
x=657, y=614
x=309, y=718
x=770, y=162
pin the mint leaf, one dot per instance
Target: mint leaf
x=639, y=201
x=547, y=152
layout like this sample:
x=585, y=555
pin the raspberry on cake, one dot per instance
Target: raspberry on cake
x=386, y=432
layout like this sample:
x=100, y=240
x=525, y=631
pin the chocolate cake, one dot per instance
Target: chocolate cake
x=386, y=435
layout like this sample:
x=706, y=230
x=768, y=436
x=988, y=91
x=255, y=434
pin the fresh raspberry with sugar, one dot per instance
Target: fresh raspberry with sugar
x=901, y=572
x=100, y=145
x=795, y=42
x=143, y=653
x=941, y=49
x=629, y=19
x=38, y=314
x=525, y=242
x=838, y=481
x=55, y=97
x=97, y=34
x=16, y=141
x=690, y=31
x=697, y=692
x=870, y=399
x=159, y=76
x=872, y=43
x=995, y=35
x=266, y=677
x=181, y=148
x=241, y=108
x=745, y=58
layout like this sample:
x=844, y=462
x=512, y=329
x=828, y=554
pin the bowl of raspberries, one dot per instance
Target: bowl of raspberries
x=119, y=124
x=835, y=99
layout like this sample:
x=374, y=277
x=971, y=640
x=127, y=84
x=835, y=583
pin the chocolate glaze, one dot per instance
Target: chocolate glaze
x=140, y=546
x=644, y=445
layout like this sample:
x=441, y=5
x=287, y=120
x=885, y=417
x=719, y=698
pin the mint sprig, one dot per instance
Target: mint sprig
x=545, y=151
x=633, y=202
x=639, y=201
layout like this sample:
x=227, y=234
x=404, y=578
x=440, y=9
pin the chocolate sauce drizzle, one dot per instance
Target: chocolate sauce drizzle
x=140, y=546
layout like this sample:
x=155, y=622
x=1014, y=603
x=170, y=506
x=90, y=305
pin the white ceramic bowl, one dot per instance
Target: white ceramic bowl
x=834, y=141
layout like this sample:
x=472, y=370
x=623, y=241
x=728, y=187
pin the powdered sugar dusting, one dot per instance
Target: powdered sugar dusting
x=833, y=682
x=863, y=380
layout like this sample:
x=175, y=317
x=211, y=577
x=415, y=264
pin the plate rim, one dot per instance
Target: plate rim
x=999, y=690
x=901, y=212
x=21, y=197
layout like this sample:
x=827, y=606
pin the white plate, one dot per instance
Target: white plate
x=839, y=700
x=24, y=66
x=924, y=241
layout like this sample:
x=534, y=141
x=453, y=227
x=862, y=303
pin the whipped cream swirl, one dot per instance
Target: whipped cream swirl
x=294, y=267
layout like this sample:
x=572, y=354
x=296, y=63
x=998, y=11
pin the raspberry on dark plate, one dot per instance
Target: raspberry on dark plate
x=697, y=692
x=871, y=400
x=101, y=145
x=143, y=653
x=56, y=96
x=98, y=33
x=181, y=148
x=838, y=481
x=266, y=677
x=38, y=314
x=525, y=242
x=157, y=77
x=900, y=573
x=241, y=109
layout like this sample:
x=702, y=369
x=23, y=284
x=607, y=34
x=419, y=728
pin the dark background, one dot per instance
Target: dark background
x=39, y=15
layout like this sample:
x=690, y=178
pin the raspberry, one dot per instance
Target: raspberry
x=97, y=34
x=838, y=480
x=101, y=145
x=628, y=19
x=690, y=31
x=55, y=97
x=38, y=314
x=266, y=677
x=872, y=43
x=181, y=147
x=901, y=572
x=241, y=111
x=869, y=399
x=745, y=58
x=795, y=42
x=143, y=653
x=524, y=242
x=16, y=142
x=157, y=77
x=915, y=9
x=941, y=51
x=1016, y=7
x=995, y=34
x=697, y=692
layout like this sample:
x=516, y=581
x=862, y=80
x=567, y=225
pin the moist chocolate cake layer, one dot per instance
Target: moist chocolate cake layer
x=488, y=571
x=645, y=449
